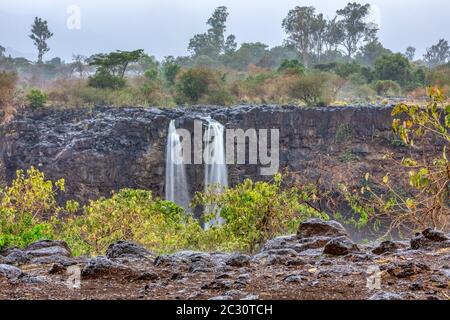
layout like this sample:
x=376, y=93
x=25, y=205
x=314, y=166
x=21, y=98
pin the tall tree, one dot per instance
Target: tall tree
x=352, y=21
x=410, y=53
x=319, y=35
x=2, y=51
x=334, y=35
x=116, y=63
x=438, y=54
x=212, y=43
x=371, y=52
x=300, y=26
x=79, y=64
x=40, y=34
x=230, y=44
x=217, y=23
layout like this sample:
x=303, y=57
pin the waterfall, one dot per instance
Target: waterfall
x=216, y=173
x=176, y=182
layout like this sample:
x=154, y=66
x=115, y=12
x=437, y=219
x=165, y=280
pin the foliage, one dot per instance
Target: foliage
x=314, y=89
x=291, y=67
x=212, y=43
x=36, y=98
x=426, y=204
x=170, y=70
x=111, y=68
x=255, y=212
x=386, y=87
x=438, y=54
x=25, y=208
x=202, y=85
x=394, y=67
x=133, y=215
x=40, y=34
x=351, y=20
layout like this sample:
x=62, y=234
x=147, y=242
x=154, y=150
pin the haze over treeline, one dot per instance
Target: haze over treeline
x=164, y=27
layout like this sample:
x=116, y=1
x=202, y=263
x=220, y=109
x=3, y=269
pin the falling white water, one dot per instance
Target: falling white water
x=176, y=183
x=216, y=173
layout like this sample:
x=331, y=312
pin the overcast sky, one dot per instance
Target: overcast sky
x=164, y=27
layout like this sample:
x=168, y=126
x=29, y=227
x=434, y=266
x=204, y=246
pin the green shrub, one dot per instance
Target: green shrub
x=133, y=215
x=36, y=98
x=292, y=67
x=314, y=89
x=26, y=208
x=104, y=79
x=387, y=87
x=254, y=213
x=202, y=85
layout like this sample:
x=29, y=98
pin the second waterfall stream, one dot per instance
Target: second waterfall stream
x=215, y=168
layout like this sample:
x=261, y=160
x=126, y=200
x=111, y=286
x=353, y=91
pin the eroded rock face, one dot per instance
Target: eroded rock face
x=107, y=148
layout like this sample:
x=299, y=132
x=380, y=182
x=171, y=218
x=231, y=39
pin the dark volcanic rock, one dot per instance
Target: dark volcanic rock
x=406, y=269
x=383, y=295
x=127, y=249
x=102, y=265
x=386, y=246
x=10, y=272
x=238, y=260
x=430, y=238
x=318, y=227
x=46, y=244
x=434, y=235
x=17, y=257
x=100, y=149
x=340, y=246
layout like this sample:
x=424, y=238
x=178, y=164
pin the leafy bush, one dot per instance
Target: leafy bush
x=36, y=98
x=387, y=87
x=314, y=89
x=202, y=85
x=254, y=213
x=26, y=208
x=292, y=67
x=426, y=203
x=395, y=67
x=134, y=215
x=104, y=79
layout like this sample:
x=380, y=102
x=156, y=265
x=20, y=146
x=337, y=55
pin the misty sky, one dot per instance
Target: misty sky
x=164, y=27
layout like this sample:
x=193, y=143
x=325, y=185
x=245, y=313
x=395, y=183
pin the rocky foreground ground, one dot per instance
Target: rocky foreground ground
x=319, y=262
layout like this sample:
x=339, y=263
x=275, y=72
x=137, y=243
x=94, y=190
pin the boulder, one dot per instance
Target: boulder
x=49, y=251
x=430, y=239
x=10, y=272
x=317, y=227
x=238, y=260
x=101, y=265
x=384, y=295
x=37, y=246
x=127, y=249
x=17, y=257
x=386, y=246
x=406, y=269
x=434, y=235
x=340, y=246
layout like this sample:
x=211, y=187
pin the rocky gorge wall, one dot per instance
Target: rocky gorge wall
x=106, y=148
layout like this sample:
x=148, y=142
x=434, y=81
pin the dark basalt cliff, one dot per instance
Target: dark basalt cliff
x=103, y=149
